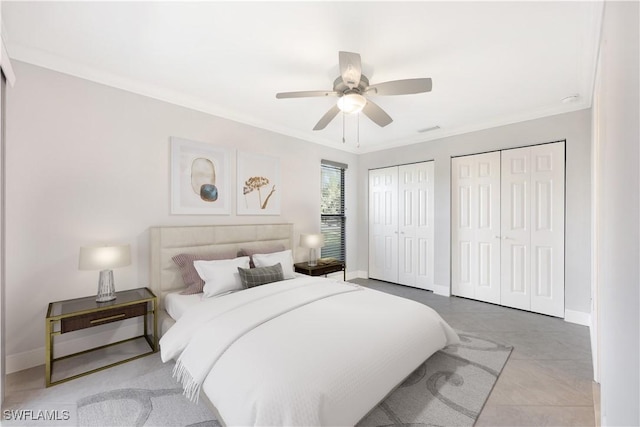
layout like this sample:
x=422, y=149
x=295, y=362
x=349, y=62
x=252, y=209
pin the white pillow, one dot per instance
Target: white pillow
x=221, y=276
x=284, y=258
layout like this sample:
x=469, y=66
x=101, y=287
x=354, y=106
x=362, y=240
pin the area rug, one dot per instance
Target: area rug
x=449, y=389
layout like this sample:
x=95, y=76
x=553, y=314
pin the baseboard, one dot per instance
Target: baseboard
x=360, y=274
x=596, y=403
x=25, y=360
x=577, y=317
x=445, y=291
x=31, y=358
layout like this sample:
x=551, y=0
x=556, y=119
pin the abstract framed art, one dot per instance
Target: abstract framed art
x=200, y=178
x=258, y=184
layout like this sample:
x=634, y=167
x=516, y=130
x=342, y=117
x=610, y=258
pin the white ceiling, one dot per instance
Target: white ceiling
x=492, y=63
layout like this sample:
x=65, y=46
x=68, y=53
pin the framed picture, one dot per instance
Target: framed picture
x=200, y=182
x=258, y=184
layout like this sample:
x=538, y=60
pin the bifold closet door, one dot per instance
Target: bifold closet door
x=383, y=224
x=415, y=225
x=475, y=226
x=532, y=253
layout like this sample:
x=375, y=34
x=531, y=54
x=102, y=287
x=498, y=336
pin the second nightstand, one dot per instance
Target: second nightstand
x=321, y=269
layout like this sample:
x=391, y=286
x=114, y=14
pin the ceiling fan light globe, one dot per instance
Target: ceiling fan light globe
x=352, y=103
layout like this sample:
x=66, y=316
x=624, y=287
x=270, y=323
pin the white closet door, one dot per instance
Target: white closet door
x=383, y=224
x=415, y=225
x=547, y=229
x=516, y=232
x=533, y=229
x=475, y=206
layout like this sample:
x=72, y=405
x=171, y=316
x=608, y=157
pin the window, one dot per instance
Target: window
x=332, y=212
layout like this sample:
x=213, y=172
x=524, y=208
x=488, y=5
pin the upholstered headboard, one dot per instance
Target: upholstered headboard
x=166, y=242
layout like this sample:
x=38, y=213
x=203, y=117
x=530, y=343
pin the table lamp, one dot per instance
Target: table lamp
x=104, y=258
x=313, y=242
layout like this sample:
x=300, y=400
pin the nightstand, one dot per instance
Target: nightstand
x=321, y=269
x=83, y=313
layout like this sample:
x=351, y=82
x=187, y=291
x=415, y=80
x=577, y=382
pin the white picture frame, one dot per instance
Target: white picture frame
x=200, y=178
x=258, y=184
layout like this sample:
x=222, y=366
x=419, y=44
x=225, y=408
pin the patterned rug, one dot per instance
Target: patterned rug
x=448, y=389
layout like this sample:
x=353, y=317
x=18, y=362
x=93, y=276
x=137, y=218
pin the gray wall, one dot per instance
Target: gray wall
x=616, y=119
x=574, y=127
x=88, y=163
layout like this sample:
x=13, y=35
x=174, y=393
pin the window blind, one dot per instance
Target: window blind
x=332, y=211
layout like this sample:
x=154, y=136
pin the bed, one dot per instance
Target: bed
x=302, y=351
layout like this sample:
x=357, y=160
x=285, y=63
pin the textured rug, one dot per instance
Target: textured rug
x=449, y=389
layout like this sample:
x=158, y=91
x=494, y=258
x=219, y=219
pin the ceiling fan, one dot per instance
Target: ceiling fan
x=353, y=89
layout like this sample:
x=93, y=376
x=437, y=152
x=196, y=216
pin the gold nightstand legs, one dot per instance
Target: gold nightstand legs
x=48, y=355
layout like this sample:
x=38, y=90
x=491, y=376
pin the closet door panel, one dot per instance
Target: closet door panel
x=476, y=227
x=547, y=229
x=407, y=212
x=488, y=228
x=516, y=232
x=463, y=259
x=425, y=233
x=416, y=221
x=383, y=224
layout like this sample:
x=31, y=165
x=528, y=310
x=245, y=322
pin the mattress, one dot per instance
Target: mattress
x=176, y=305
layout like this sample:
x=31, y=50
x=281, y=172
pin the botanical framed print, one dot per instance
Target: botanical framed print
x=200, y=178
x=258, y=184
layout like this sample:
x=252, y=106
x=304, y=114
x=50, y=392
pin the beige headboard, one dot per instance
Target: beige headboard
x=167, y=242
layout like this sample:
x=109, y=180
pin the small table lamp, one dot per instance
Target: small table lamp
x=104, y=258
x=313, y=242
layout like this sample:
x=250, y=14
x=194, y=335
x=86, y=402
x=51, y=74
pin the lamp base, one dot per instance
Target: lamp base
x=313, y=257
x=106, y=288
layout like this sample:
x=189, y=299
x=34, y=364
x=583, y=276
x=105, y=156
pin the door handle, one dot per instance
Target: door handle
x=496, y=237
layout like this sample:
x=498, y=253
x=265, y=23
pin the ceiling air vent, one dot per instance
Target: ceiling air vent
x=428, y=129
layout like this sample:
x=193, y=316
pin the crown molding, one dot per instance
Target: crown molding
x=62, y=65
x=5, y=60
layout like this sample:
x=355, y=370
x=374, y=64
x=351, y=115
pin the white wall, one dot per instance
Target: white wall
x=574, y=127
x=88, y=163
x=617, y=152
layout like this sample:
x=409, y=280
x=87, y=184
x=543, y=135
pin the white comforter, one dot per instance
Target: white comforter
x=306, y=351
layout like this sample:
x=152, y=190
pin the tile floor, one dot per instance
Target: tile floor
x=548, y=379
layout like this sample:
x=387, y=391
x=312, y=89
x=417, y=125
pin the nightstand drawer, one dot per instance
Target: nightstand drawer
x=104, y=316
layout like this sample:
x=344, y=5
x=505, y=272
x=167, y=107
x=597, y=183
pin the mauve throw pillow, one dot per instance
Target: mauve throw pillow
x=190, y=276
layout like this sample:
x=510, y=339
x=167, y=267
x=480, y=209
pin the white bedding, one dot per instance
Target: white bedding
x=307, y=351
x=176, y=304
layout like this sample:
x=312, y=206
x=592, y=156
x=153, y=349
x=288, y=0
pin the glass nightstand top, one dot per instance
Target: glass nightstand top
x=77, y=305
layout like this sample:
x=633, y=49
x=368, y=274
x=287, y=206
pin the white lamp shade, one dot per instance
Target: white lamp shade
x=352, y=103
x=104, y=257
x=313, y=241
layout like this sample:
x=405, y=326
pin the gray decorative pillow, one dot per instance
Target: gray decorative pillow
x=251, y=277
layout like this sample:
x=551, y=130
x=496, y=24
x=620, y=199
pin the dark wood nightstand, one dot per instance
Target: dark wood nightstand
x=322, y=269
x=82, y=313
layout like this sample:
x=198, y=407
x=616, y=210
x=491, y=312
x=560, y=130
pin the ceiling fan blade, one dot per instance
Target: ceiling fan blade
x=306, y=94
x=326, y=119
x=400, y=87
x=350, y=68
x=376, y=114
